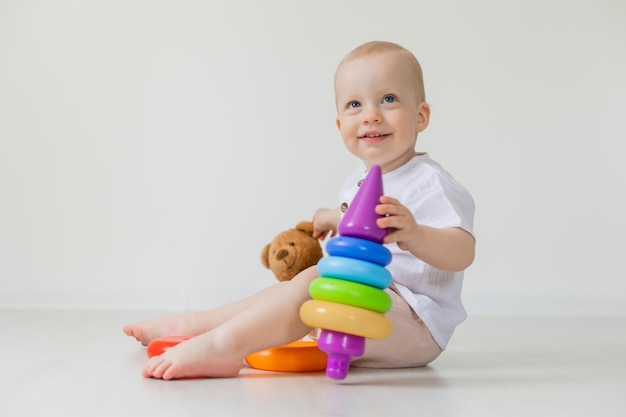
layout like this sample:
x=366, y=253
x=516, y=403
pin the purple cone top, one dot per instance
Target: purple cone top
x=360, y=218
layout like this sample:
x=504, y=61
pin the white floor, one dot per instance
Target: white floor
x=79, y=363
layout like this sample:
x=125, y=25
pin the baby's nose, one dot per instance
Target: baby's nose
x=372, y=116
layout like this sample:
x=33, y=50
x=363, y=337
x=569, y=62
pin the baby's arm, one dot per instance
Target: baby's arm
x=449, y=249
x=325, y=222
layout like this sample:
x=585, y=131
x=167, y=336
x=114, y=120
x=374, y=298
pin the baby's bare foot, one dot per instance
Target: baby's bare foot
x=146, y=331
x=196, y=357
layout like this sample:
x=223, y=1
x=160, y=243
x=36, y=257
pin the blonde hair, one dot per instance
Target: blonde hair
x=381, y=47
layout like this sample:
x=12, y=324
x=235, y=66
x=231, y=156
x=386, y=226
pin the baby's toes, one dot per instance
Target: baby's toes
x=151, y=370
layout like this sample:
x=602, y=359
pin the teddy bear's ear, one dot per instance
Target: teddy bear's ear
x=265, y=256
x=306, y=227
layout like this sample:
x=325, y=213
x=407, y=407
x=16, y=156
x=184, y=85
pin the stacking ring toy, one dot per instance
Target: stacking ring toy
x=298, y=356
x=356, y=270
x=353, y=247
x=350, y=293
x=161, y=345
x=346, y=319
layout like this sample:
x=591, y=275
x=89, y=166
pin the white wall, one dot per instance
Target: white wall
x=150, y=149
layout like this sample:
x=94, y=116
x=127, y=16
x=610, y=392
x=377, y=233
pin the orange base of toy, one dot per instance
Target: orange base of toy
x=298, y=356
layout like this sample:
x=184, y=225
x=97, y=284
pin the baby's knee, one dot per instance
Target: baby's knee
x=305, y=277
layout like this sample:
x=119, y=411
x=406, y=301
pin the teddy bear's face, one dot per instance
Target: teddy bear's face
x=291, y=252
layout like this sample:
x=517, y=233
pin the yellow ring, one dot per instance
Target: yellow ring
x=346, y=319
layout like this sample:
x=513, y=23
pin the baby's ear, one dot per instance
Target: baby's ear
x=338, y=122
x=423, y=117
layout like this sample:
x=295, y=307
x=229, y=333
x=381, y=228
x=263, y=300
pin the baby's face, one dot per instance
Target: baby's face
x=379, y=112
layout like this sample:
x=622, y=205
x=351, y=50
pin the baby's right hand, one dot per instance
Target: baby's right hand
x=325, y=223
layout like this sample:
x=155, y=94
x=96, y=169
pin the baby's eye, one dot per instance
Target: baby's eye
x=389, y=99
x=354, y=105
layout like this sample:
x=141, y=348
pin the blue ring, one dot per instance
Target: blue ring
x=356, y=270
x=353, y=247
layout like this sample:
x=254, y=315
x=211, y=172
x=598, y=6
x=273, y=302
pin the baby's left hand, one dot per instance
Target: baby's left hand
x=400, y=223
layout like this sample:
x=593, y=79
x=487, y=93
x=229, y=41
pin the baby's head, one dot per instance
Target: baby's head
x=381, y=108
x=375, y=48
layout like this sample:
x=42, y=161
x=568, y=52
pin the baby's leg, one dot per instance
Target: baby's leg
x=190, y=324
x=410, y=343
x=272, y=320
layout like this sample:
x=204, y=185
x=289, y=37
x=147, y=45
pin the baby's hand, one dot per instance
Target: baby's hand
x=400, y=223
x=325, y=223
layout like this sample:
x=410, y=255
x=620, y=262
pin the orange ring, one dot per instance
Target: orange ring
x=298, y=356
x=163, y=344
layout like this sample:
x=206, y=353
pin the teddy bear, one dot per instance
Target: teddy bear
x=292, y=251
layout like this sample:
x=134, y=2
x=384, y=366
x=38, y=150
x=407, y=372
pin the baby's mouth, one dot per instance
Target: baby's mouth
x=373, y=137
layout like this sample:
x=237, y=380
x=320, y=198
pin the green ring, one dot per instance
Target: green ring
x=351, y=293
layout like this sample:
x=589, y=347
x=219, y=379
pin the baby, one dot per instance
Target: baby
x=381, y=109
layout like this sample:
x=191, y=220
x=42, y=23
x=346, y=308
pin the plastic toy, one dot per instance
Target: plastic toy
x=358, y=249
x=352, y=293
x=367, y=273
x=298, y=356
x=161, y=345
x=348, y=302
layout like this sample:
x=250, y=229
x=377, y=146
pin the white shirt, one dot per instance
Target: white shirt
x=435, y=199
